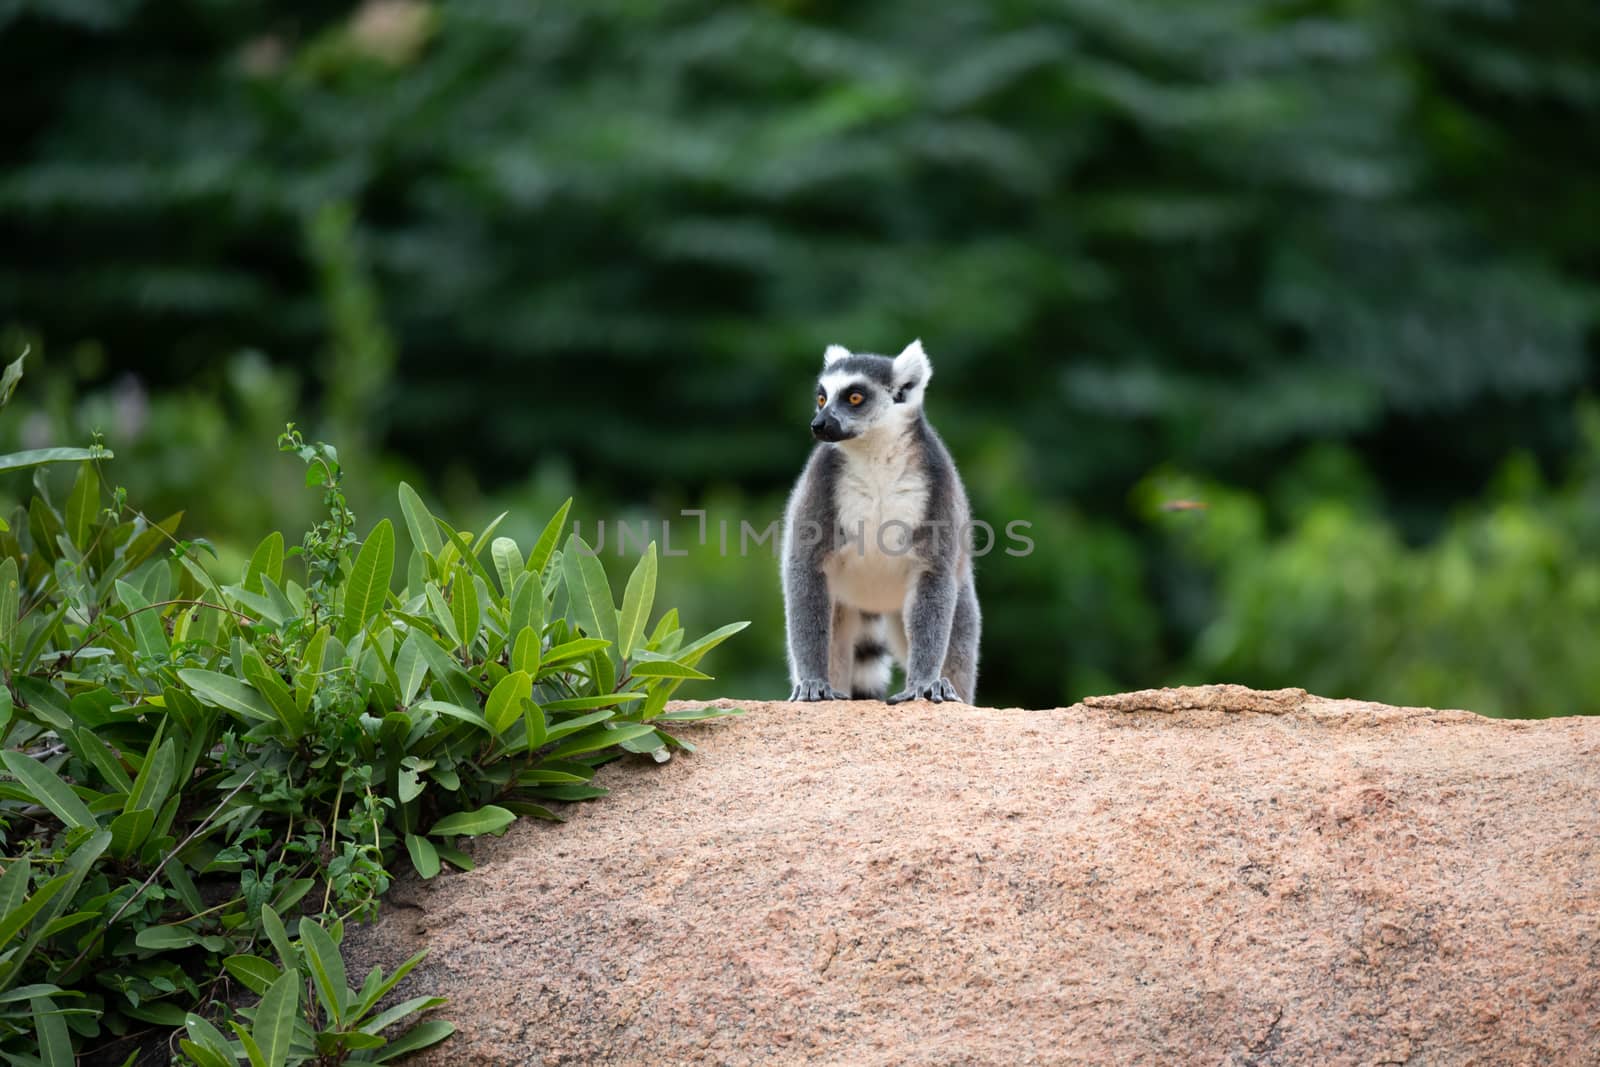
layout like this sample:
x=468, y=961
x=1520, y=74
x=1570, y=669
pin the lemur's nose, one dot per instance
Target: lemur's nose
x=825, y=427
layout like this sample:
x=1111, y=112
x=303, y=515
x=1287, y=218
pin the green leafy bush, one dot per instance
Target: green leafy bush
x=189, y=757
x=341, y=1025
x=1310, y=586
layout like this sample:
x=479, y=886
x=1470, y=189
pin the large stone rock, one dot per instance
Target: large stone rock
x=1205, y=875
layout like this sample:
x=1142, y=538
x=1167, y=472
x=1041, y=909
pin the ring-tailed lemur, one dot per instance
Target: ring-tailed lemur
x=876, y=542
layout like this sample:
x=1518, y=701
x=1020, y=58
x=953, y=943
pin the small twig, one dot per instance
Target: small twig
x=202, y=914
x=160, y=867
x=333, y=835
x=288, y=839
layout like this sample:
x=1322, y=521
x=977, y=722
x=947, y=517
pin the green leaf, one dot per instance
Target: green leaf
x=504, y=705
x=265, y=562
x=443, y=614
x=449, y=679
x=17, y=918
x=166, y=937
x=183, y=885
x=465, y=552
x=50, y=1028
x=570, y=793
x=148, y=634
x=10, y=607
x=420, y=524
x=15, y=461
x=46, y=702
x=389, y=1016
x=571, y=726
x=417, y=1038
x=83, y=507
x=465, y=611
x=454, y=711
x=274, y=1022
x=368, y=585
x=666, y=668
x=277, y=695
x=454, y=856
x=67, y=922
x=508, y=562
x=646, y=744
x=637, y=600
x=570, y=650
x=416, y=574
x=488, y=819
x=699, y=714
x=327, y=969
x=408, y=784
x=208, y=1037
x=48, y=790
x=664, y=626
x=308, y=675
x=204, y=1056
x=603, y=671
x=251, y=1048
x=12, y=378
x=488, y=532
x=424, y=857
x=255, y=973
x=592, y=740
x=410, y=667
x=44, y=526
x=14, y=886
x=543, y=777
x=589, y=594
x=129, y=830
x=273, y=927
x=696, y=650
x=527, y=605
x=258, y=604
x=51, y=899
x=376, y=987
x=38, y=989
x=155, y=780
x=548, y=539
x=220, y=690
x=600, y=700
x=534, y=725
x=525, y=652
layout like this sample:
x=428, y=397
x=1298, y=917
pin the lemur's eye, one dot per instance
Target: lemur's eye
x=821, y=399
x=856, y=398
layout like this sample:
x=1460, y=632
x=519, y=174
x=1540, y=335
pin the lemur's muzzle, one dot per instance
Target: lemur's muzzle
x=825, y=427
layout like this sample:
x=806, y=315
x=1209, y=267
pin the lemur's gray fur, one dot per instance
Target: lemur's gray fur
x=877, y=543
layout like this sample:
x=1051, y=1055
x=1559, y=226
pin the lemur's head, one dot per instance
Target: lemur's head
x=858, y=393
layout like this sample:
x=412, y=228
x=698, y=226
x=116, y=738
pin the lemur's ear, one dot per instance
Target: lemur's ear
x=911, y=372
x=834, y=354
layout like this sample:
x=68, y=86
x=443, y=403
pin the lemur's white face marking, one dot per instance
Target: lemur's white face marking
x=859, y=393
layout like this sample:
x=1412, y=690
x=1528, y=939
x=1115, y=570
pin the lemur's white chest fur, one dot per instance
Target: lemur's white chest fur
x=881, y=496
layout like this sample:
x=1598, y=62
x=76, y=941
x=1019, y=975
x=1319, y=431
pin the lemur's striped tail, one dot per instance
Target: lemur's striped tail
x=869, y=678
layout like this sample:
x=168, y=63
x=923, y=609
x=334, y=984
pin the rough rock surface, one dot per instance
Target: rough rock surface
x=1208, y=875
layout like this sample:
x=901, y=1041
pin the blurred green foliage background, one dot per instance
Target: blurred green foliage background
x=1329, y=267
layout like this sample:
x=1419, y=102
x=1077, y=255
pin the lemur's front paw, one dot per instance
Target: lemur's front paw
x=814, y=689
x=937, y=691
